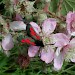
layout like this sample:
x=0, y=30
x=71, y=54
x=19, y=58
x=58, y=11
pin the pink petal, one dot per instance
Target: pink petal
x=49, y=26
x=70, y=19
x=7, y=42
x=18, y=17
x=47, y=55
x=32, y=51
x=17, y=25
x=61, y=39
x=36, y=27
x=58, y=61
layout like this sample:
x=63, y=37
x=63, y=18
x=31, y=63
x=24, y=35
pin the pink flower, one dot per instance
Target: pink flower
x=70, y=20
x=64, y=45
x=7, y=42
x=48, y=27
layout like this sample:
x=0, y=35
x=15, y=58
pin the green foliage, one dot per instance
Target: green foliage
x=66, y=6
x=9, y=66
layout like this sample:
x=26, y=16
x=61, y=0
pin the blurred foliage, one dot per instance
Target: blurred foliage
x=66, y=6
x=9, y=66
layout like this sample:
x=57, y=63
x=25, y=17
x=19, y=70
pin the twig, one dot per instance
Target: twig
x=62, y=19
x=59, y=7
x=46, y=10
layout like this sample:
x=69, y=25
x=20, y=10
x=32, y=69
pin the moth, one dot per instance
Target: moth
x=32, y=37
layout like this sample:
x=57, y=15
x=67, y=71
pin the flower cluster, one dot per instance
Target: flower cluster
x=57, y=47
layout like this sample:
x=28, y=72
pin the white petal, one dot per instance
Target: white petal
x=58, y=51
x=7, y=42
x=73, y=34
x=58, y=61
x=17, y=25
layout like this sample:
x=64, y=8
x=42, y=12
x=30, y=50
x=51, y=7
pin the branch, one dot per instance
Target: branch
x=59, y=7
x=55, y=16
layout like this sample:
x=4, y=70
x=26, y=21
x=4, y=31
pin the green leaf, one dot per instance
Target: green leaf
x=53, y=6
x=66, y=6
x=71, y=72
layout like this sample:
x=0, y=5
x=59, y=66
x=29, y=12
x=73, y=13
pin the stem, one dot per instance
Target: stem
x=59, y=7
x=62, y=19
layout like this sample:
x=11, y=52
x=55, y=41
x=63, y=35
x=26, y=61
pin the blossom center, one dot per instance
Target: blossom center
x=46, y=40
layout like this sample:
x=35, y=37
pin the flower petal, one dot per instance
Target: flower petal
x=58, y=50
x=49, y=26
x=36, y=27
x=32, y=51
x=18, y=17
x=70, y=20
x=68, y=17
x=47, y=54
x=17, y=25
x=58, y=61
x=60, y=39
x=7, y=42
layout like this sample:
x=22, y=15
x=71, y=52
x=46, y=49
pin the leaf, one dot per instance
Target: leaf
x=71, y=72
x=66, y=6
x=53, y=5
